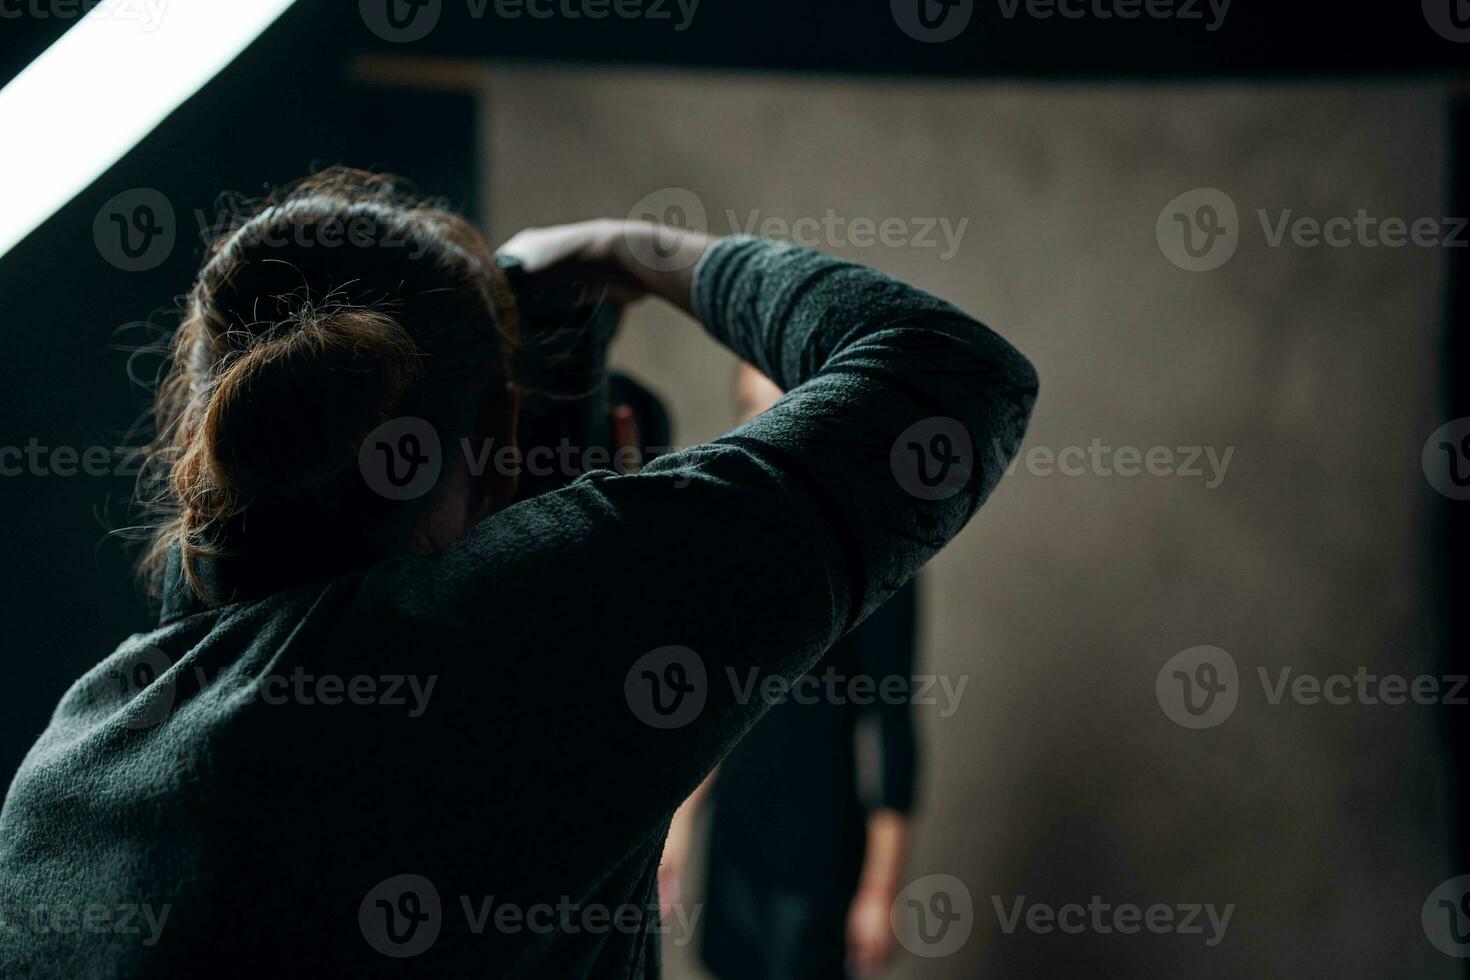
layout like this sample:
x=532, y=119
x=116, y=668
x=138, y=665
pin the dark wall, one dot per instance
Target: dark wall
x=68, y=315
x=1007, y=38
x=1011, y=38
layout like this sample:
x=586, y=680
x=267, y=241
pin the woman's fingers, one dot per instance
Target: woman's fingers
x=540, y=249
x=576, y=256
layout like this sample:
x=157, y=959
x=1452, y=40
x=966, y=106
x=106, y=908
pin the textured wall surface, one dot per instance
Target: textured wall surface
x=1060, y=777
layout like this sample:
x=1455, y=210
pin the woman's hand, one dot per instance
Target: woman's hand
x=626, y=260
x=577, y=257
x=869, y=935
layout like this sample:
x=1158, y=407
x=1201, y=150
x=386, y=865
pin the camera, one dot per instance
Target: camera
x=569, y=395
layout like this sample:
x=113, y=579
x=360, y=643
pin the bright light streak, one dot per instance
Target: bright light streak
x=104, y=86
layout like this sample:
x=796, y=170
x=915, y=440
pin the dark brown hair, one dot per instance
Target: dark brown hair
x=333, y=305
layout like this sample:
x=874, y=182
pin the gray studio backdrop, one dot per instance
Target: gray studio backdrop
x=1271, y=412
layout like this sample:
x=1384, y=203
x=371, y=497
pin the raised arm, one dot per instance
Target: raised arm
x=901, y=412
x=867, y=351
x=689, y=592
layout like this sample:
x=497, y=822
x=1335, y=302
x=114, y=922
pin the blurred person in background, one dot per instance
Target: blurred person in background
x=810, y=816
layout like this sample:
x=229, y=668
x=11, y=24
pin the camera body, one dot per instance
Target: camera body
x=569, y=395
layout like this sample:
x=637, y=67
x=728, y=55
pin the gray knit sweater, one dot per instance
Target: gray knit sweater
x=464, y=765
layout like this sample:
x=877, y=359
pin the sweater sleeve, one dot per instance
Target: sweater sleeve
x=634, y=627
x=901, y=411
